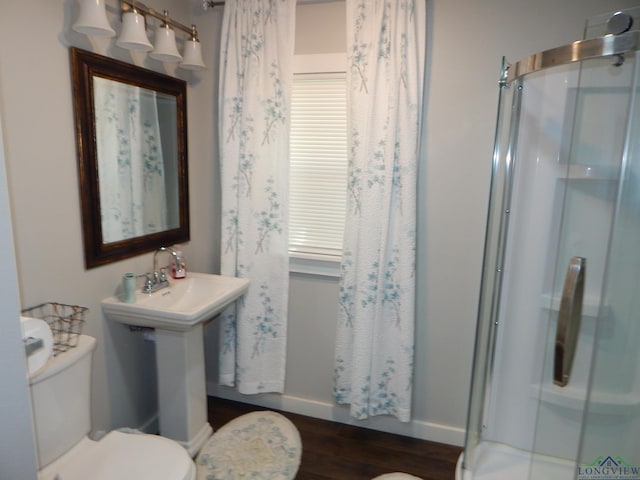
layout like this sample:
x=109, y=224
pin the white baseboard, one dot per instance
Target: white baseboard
x=337, y=413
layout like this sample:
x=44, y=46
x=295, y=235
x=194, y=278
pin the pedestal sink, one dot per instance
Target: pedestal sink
x=178, y=314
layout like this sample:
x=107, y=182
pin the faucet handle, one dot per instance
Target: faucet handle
x=148, y=283
x=163, y=275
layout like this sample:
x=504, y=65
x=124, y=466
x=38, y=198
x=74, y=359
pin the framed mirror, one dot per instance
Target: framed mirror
x=131, y=133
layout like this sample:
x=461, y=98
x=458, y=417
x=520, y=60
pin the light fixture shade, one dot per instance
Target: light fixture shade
x=133, y=35
x=192, y=59
x=165, y=45
x=93, y=19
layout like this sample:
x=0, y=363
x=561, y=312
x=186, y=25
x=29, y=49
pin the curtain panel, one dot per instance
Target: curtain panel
x=255, y=87
x=375, y=339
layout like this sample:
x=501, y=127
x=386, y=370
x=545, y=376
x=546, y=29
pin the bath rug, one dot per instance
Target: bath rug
x=258, y=445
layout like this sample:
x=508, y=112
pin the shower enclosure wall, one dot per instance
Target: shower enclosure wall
x=555, y=392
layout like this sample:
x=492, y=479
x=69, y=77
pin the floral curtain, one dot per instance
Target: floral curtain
x=130, y=161
x=375, y=339
x=255, y=85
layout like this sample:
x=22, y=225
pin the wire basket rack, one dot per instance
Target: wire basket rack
x=65, y=321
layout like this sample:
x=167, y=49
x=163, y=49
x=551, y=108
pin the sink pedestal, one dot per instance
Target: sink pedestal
x=178, y=314
x=182, y=395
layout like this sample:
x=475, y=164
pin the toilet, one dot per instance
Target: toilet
x=60, y=395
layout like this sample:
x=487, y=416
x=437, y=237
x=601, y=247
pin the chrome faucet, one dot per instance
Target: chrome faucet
x=159, y=277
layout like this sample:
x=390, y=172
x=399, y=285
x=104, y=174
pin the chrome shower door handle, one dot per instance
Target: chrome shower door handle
x=569, y=318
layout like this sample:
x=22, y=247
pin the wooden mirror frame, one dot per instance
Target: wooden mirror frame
x=84, y=66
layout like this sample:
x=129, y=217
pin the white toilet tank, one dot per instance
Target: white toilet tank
x=60, y=395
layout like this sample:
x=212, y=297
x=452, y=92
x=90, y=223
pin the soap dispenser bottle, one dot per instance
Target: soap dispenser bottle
x=178, y=266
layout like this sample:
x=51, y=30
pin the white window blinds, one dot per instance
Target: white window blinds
x=318, y=164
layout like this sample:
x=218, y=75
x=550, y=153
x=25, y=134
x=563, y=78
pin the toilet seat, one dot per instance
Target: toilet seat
x=123, y=456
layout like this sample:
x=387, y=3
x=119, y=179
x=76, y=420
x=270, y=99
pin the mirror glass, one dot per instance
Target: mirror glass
x=132, y=157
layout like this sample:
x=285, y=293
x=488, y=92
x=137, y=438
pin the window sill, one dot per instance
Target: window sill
x=314, y=264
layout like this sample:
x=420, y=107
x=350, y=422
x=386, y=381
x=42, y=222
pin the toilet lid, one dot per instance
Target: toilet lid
x=123, y=456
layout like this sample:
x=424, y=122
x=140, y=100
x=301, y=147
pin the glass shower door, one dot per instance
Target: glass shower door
x=576, y=306
x=556, y=375
x=611, y=430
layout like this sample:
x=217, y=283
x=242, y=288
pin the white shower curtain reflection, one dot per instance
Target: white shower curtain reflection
x=130, y=161
x=256, y=73
x=375, y=340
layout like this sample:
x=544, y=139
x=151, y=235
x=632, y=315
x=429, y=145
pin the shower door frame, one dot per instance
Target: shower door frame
x=502, y=177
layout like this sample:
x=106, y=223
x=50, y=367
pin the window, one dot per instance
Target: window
x=318, y=157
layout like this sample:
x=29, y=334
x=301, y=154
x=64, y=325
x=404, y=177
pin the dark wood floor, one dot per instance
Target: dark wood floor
x=343, y=452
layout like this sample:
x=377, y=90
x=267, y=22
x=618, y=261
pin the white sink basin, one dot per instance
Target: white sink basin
x=184, y=304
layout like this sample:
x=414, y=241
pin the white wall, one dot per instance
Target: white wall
x=35, y=94
x=466, y=41
x=17, y=442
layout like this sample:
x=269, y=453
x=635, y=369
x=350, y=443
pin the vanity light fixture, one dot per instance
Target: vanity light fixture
x=165, y=43
x=134, y=32
x=193, y=52
x=93, y=21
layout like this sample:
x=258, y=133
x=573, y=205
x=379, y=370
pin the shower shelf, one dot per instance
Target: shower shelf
x=586, y=172
x=590, y=306
x=601, y=403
